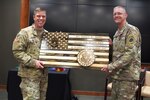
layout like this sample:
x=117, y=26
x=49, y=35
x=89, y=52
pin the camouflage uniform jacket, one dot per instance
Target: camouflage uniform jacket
x=26, y=47
x=126, y=59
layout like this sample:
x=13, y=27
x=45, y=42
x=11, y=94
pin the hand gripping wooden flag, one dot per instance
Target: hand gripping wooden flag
x=75, y=50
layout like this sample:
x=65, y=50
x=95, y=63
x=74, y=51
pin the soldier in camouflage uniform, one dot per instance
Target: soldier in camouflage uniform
x=26, y=48
x=126, y=60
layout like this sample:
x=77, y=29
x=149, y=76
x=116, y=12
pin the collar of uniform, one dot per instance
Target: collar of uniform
x=35, y=30
x=124, y=27
x=120, y=32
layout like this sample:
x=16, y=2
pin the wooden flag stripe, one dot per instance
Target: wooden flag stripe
x=88, y=47
x=44, y=52
x=68, y=58
x=88, y=36
x=99, y=43
x=69, y=64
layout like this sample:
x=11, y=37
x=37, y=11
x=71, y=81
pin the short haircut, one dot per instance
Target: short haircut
x=121, y=7
x=38, y=9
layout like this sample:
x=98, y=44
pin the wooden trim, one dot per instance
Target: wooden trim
x=145, y=65
x=91, y=93
x=3, y=87
x=24, y=14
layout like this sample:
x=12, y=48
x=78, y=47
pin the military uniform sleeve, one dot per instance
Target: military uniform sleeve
x=131, y=49
x=19, y=49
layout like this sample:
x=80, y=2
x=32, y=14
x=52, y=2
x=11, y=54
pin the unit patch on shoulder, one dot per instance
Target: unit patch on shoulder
x=130, y=41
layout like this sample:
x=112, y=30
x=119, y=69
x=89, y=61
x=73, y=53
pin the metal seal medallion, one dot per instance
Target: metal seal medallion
x=86, y=58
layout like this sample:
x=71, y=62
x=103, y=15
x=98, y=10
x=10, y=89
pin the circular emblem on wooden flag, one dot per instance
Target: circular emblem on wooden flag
x=86, y=58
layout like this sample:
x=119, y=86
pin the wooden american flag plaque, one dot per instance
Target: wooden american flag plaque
x=75, y=50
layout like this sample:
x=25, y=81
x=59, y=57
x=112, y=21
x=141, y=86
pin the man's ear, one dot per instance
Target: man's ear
x=126, y=15
x=33, y=16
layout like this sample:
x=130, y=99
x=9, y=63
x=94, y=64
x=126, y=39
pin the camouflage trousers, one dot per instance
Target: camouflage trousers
x=34, y=88
x=123, y=90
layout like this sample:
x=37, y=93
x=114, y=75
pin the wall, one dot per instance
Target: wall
x=0, y=17
x=9, y=26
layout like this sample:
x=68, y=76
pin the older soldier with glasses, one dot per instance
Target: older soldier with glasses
x=126, y=59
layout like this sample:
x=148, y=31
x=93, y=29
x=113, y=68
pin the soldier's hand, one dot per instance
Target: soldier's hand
x=39, y=64
x=110, y=41
x=104, y=69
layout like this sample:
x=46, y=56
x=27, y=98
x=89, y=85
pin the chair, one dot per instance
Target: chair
x=108, y=87
x=145, y=86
